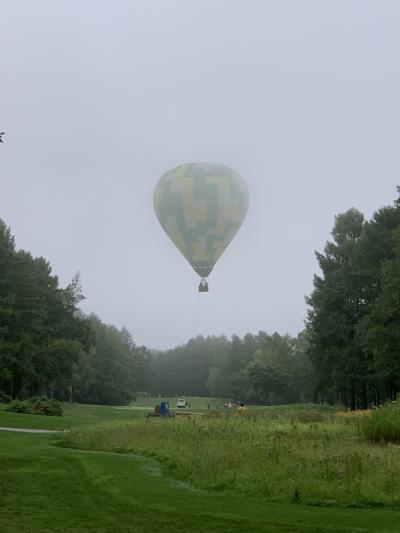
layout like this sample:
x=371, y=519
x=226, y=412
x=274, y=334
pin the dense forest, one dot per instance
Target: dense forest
x=348, y=353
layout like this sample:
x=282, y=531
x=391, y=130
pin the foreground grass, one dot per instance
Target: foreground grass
x=302, y=456
x=280, y=469
x=44, y=488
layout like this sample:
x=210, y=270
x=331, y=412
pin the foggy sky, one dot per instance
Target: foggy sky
x=100, y=98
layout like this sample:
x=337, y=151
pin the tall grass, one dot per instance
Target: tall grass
x=383, y=425
x=302, y=456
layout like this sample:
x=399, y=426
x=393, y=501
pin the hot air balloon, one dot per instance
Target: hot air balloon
x=201, y=206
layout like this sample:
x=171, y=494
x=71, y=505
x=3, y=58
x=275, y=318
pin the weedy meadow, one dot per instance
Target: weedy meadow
x=309, y=455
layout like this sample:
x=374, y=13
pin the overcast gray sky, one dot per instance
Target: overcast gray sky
x=100, y=98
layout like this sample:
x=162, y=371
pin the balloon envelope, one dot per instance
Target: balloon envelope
x=201, y=206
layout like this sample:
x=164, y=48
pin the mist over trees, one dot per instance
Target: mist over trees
x=258, y=368
x=348, y=353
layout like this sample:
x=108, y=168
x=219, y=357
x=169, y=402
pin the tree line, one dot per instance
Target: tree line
x=348, y=353
x=262, y=368
x=48, y=347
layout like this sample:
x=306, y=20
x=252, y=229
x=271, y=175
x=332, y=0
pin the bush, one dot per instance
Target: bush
x=5, y=398
x=382, y=426
x=19, y=406
x=36, y=406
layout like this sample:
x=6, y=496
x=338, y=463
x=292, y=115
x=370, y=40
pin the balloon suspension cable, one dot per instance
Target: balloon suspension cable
x=203, y=287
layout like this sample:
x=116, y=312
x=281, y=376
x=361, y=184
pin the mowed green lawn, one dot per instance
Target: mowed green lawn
x=44, y=487
x=74, y=415
x=79, y=415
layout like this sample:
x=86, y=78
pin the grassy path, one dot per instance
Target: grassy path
x=44, y=488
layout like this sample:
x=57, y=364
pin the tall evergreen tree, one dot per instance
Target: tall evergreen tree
x=337, y=304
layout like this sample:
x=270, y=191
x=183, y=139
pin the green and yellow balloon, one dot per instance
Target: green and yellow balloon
x=201, y=206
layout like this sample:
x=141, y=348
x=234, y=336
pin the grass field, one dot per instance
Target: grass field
x=276, y=469
x=74, y=415
x=79, y=415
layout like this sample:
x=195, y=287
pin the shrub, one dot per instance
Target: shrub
x=5, y=398
x=19, y=406
x=382, y=426
x=36, y=406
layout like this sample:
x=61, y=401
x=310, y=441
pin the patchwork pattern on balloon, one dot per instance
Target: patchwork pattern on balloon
x=201, y=206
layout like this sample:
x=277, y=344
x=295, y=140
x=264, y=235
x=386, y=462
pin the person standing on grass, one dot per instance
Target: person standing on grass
x=242, y=409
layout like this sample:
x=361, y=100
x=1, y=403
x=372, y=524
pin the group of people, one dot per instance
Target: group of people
x=232, y=405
